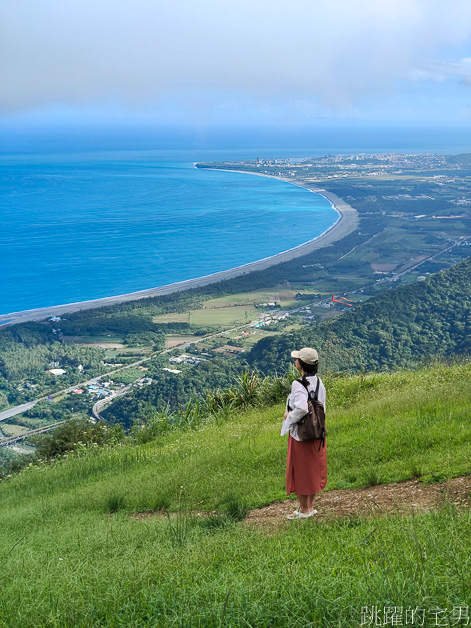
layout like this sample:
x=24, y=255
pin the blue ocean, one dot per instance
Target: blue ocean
x=96, y=224
x=90, y=217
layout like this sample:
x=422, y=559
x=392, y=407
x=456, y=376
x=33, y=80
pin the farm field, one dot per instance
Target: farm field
x=282, y=295
x=324, y=313
x=235, y=309
x=329, y=285
x=224, y=316
x=172, y=317
x=174, y=340
x=94, y=340
x=127, y=376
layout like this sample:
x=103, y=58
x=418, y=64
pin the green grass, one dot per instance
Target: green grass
x=59, y=398
x=260, y=333
x=127, y=376
x=9, y=429
x=115, y=571
x=224, y=317
x=86, y=561
x=173, y=317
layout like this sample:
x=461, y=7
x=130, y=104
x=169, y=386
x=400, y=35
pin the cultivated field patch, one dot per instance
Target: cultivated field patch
x=224, y=317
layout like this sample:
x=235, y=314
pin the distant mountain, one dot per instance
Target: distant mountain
x=396, y=329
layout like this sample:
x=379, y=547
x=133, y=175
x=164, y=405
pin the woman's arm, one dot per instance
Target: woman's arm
x=298, y=401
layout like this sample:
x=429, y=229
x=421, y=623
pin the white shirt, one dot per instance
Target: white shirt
x=297, y=400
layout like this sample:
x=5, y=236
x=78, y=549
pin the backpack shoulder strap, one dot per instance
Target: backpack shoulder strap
x=303, y=380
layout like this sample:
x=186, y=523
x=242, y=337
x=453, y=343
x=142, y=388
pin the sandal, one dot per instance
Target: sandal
x=301, y=515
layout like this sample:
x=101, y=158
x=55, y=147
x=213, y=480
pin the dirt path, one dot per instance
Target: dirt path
x=401, y=499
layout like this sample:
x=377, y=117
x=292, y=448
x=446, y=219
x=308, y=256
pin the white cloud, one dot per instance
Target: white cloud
x=325, y=52
x=440, y=72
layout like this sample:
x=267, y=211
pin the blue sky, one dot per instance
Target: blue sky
x=211, y=62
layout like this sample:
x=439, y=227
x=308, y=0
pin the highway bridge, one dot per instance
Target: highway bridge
x=11, y=440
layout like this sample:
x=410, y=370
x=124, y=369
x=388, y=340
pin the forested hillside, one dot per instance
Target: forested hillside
x=393, y=330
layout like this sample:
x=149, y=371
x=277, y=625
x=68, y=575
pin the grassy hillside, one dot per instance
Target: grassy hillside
x=75, y=553
x=396, y=329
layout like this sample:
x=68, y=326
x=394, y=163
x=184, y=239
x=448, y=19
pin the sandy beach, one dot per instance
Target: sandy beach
x=346, y=223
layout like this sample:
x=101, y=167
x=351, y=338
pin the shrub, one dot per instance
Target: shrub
x=74, y=434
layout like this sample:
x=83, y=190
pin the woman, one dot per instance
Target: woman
x=306, y=465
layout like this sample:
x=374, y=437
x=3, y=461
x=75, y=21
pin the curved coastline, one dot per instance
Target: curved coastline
x=346, y=223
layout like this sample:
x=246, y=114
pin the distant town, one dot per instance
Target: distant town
x=346, y=166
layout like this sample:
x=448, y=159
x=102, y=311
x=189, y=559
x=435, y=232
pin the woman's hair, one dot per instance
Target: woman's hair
x=309, y=369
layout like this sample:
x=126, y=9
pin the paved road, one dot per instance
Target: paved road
x=102, y=403
x=7, y=414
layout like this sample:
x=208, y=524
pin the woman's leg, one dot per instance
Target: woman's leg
x=305, y=503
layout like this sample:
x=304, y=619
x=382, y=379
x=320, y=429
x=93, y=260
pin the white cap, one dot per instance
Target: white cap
x=307, y=355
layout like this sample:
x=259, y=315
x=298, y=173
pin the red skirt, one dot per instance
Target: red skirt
x=306, y=467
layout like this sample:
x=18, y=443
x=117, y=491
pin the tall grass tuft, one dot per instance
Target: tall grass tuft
x=147, y=431
x=219, y=402
x=114, y=502
x=248, y=390
x=213, y=523
x=371, y=477
x=179, y=524
x=161, y=503
x=178, y=528
x=276, y=389
x=233, y=506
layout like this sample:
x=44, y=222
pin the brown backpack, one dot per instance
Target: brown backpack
x=312, y=426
